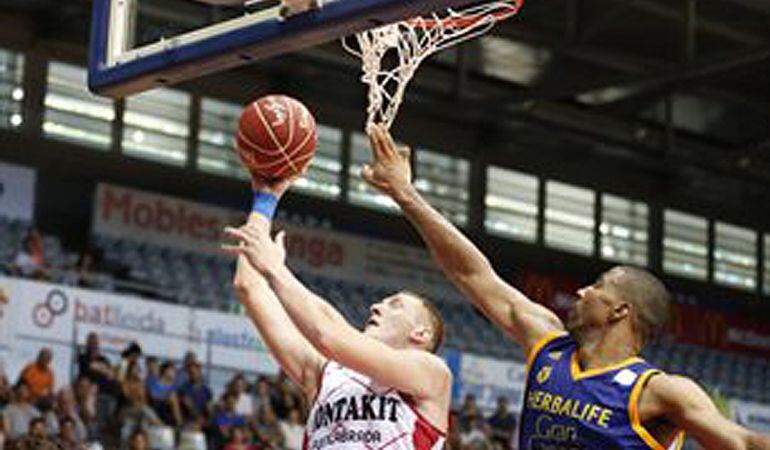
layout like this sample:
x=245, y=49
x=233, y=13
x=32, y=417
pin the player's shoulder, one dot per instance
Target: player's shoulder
x=671, y=392
x=433, y=363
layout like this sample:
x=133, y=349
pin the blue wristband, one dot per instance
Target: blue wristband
x=264, y=204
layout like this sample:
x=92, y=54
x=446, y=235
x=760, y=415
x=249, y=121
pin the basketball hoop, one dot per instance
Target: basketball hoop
x=410, y=42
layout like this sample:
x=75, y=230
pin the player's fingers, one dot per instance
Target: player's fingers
x=387, y=140
x=236, y=233
x=367, y=173
x=232, y=249
x=250, y=232
x=375, y=141
x=405, y=153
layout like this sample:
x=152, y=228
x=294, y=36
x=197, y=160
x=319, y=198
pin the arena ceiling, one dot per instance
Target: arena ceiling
x=676, y=88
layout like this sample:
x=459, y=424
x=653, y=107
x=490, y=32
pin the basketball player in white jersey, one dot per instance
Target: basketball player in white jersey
x=586, y=387
x=382, y=388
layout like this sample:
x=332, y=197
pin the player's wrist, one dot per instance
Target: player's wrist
x=402, y=192
x=264, y=203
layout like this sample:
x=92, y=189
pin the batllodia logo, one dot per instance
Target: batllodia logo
x=56, y=303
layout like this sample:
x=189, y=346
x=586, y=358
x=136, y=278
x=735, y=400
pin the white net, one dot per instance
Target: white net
x=392, y=53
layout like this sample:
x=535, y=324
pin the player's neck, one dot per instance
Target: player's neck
x=605, y=347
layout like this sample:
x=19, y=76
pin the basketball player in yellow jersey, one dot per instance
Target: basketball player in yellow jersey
x=381, y=388
x=586, y=388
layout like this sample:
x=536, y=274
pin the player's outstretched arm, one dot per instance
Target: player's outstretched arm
x=682, y=402
x=301, y=362
x=524, y=320
x=417, y=372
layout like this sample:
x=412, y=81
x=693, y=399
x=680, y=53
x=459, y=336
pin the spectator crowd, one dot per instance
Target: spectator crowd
x=139, y=402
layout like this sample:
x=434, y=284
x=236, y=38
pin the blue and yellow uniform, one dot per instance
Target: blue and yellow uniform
x=566, y=408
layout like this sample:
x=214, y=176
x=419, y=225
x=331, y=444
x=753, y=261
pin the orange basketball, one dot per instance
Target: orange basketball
x=276, y=137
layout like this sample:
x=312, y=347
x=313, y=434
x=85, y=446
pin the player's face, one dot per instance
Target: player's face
x=394, y=319
x=594, y=303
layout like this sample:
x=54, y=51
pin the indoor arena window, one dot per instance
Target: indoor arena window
x=216, y=150
x=685, y=245
x=11, y=89
x=72, y=113
x=623, y=230
x=444, y=180
x=511, y=204
x=569, y=218
x=324, y=174
x=359, y=192
x=767, y=264
x=156, y=126
x=735, y=256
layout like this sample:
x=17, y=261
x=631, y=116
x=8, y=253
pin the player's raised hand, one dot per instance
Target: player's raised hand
x=275, y=187
x=265, y=254
x=391, y=170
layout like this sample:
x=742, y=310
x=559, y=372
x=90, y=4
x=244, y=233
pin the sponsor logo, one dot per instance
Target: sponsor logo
x=544, y=374
x=158, y=214
x=145, y=321
x=555, y=355
x=316, y=251
x=625, y=377
x=56, y=304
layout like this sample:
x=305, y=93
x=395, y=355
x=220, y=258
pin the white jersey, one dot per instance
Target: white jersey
x=352, y=411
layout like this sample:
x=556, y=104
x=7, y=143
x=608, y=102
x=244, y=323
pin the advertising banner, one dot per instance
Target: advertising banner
x=487, y=379
x=159, y=219
x=17, y=192
x=38, y=315
x=167, y=221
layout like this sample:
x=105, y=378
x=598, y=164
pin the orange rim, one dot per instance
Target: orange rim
x=467, y=21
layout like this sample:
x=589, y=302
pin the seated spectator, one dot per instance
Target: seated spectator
x=68, y=438
x=227, y=417
x=36, y=438
x=502, y=424
x=5, y=390
x=86, y=395
x=196, y=396
x=136, y=411
x=239, y=440
x=139, y=441
x=287, y=396
x=28, y=261
x=293, y=430
x=240, y=387
x=39, y=377
x=130, y=355
x=267, y=430
x=477, y=436
x=151, y=368
x=468, y=413
x=264, y=393
x=85, y=268
x=163, y=395
x=67, y=408
x=189, y=359
x=453, y=441
x=93, y=365
x=19, y=413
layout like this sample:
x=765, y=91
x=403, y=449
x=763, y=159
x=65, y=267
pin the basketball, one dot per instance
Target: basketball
x=276, y=137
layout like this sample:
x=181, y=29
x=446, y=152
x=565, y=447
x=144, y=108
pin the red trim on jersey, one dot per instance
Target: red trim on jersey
x=421, y=420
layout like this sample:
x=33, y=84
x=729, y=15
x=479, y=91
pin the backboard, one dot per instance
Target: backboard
x=140, y=44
